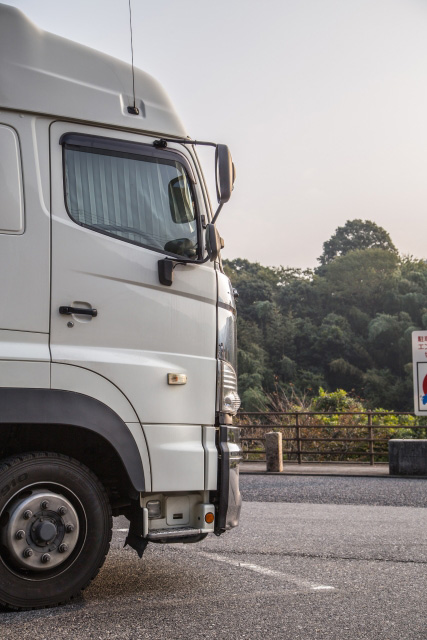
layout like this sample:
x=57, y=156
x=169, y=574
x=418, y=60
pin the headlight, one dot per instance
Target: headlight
x=229, y=401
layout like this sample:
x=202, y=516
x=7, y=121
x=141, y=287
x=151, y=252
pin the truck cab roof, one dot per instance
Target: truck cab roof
x=49, y=75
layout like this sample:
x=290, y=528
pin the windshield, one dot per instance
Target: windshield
x=143, y=200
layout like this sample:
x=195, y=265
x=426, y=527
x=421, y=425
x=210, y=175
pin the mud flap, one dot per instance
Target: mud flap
x=134, y=538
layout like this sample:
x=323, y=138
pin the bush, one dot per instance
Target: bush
x=330, y=425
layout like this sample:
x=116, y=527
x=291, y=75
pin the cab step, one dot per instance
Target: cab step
x=169, y=535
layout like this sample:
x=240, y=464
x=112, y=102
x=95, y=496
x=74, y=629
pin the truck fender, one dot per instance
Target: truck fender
x=23, y=406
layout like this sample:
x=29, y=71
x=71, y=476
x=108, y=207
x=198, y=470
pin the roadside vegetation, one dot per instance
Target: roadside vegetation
x=333, y=426
x=346, y=325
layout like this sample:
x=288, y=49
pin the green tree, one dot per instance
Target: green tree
x=361, y=278
x=346, y=325
x=356, y=235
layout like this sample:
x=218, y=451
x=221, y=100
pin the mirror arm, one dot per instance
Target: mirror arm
x=163, y=142
x=198, y=261
x=217, y=212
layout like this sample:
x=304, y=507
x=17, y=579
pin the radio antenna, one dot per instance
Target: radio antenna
x=134, y=109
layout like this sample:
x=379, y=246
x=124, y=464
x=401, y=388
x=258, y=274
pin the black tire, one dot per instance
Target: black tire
x=23, y=478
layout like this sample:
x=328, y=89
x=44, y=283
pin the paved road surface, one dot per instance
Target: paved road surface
x=393, y=492
x=312, y=559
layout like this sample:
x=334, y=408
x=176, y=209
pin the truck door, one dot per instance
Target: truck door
x=118, y=206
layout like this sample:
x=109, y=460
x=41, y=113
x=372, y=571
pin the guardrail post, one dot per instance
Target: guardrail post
x=298, y=437
x=371, y=439
x=274, y=451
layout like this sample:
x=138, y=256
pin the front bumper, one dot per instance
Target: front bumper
x=229, y=501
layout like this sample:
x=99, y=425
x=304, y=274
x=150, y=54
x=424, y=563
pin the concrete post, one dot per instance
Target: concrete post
x=408, y=457
x=273, y=451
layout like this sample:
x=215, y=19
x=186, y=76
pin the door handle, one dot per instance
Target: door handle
x=68, y=311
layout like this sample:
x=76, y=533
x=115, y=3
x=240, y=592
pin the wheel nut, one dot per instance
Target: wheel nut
x=28, y=553
x=63, y=548
x=44, y=504
x=69, y=528
x=45, y=558
x=20, y=534
x=62, y=511
x=27, y=514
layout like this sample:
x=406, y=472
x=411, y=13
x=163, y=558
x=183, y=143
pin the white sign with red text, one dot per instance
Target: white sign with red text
x=419, y=360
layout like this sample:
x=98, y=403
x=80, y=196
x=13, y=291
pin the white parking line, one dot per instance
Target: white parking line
x=263, y=570
x=268, y=572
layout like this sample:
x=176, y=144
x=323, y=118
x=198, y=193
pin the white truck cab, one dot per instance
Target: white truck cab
x=117, y=323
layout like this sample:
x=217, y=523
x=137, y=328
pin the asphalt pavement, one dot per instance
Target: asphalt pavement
x=313, y=558
x=382, y=491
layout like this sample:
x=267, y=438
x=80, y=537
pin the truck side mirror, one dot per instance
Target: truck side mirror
x=214, y=242
x=225, y=173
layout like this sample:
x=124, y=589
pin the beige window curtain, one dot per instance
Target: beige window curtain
x=143, y=200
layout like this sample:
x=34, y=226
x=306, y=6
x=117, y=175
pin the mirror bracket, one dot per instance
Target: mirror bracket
x=214, y=242
x=160, y=144
x=165, y=270
x=166, y=267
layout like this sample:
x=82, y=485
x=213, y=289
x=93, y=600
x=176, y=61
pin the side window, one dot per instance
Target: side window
x=143, y=199
x=11, y=190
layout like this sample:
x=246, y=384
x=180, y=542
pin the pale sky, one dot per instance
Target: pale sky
x=323, y=104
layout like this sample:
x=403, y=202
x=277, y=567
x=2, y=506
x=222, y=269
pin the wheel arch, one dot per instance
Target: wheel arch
x=74, y=424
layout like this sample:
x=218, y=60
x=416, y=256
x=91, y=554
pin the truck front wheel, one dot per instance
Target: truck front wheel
x=55, y=529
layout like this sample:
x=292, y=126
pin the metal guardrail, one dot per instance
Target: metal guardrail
x=301, y=422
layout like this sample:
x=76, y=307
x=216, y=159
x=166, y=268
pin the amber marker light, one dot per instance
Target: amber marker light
x=177, y=378
x=209, y=518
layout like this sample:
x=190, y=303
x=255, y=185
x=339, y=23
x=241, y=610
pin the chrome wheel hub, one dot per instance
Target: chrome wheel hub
x=42, y=530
